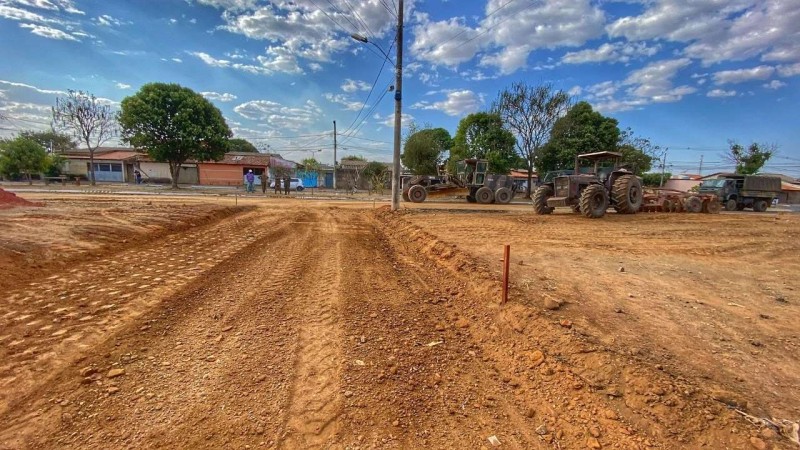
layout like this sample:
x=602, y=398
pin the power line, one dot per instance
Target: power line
x=492, y=27
x=465, y=30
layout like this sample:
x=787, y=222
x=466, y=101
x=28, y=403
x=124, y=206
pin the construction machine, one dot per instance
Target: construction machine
x=472, y=177
x=599, y=180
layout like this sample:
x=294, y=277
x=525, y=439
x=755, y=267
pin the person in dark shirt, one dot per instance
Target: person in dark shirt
x=287, y=182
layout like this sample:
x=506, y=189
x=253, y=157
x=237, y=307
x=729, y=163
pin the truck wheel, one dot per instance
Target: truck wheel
x=405, y=196
x=484, y=195
x=760, y=205
x=540, y=197
x=627, y=194
x=503, y=195
x=594, y=201
x=417, y=193
x=730, y=205
x=694, y=204
x=712, y=207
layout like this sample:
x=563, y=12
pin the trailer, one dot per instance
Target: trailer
x=669, y=200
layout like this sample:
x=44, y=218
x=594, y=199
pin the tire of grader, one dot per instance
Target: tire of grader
x=503, y=195
x=540, y=197
x=594, y=201
x=712, y=207
x=694, y=204
x=627, y=193
x=471, y=199
x=417, y=193
x=731, y=205
x=484, y=195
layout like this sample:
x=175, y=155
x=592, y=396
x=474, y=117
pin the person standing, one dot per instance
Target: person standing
x=250, y=178
x=287, y=182
x=277, y=184
x=137, y=176
x=264, y=181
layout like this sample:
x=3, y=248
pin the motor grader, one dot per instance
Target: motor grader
x=472, y=177
x=599, y=180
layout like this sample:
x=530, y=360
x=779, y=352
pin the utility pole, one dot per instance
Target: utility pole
x=398, y=97
x=663, y=167
x=700, y=170
x=334, y=155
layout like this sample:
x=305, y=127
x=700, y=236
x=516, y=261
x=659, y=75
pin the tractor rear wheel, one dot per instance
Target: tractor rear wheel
x=760, y=205
x=627, y=194
x=576, y=208
x=417, y=193
x=503, y=195
x=484, y=195
x=594, y=201
x=405, y=196
x=730, y=205
x=694, y=204
x=540, y=197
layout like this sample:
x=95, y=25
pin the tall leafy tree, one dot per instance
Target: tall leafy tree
x=581, y=130
x=530, y=112
x=751, y=159
x=52, y=140
x=22, y=155
x=482, y=135
x=174, y=124
x=424, y=149
x=311, y=164
x=86, y=117
x=241, y=145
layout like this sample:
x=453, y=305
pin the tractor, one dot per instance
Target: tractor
x=471, y=174
x=592, y=188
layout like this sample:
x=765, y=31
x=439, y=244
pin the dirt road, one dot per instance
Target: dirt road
x=307, y=325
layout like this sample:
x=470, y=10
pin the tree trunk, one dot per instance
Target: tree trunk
x=30, y=181
x=530, y=179
x=175, y=168
x=91, y=164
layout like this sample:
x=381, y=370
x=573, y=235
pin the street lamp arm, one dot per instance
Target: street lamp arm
x=363, y=39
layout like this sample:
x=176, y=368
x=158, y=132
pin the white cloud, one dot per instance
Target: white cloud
x=107, y=21
x=54, y=5
x=49, y=32
x=789, y=70
x=280, y=59
x=222, y=97
x=719, y=93
x=344, y=100
x=611, y=52
x=279, y=116
x=508, y=34
x=351, y=86
x=743, y=75
x=405, y=120
x=775, y=84
x=33, y=88
x=457, y=103
x=214, y=62
x=123, y=86
x=717, y=30
x=177, y=60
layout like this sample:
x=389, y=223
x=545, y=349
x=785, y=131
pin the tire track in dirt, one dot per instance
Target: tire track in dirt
x=227, y=329
x=314, y=406
x=48, y=323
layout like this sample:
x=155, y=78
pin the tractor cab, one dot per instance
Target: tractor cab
x=472, y=172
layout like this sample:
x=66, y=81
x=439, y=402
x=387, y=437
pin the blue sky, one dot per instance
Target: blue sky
x=688, y=74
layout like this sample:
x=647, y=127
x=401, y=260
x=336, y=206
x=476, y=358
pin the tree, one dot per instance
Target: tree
x=655, y=179
x=174, y=124
x=751, y=160
x=640, y=152
x=353, y=158
x=377, y=175
x=424, y=149
x=481, y=135
x=530, y=113
x=87, y=118
x=52, y=140
x=241, y=145
x=22, y=155
x=311, y=164
x=581, y=130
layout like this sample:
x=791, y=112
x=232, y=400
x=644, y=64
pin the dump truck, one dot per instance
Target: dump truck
x=472, y=178
x=591, y=188
x=737, y=192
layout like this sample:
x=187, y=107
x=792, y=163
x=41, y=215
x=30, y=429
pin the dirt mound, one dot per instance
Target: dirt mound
x=10, y=200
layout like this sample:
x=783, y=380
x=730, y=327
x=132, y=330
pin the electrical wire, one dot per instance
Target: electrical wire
x=466, y=29
x=492, y=27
